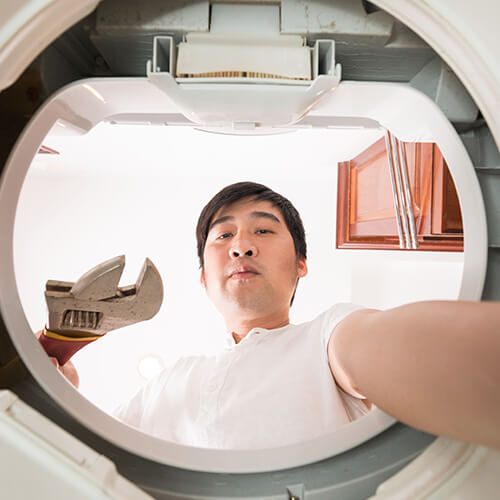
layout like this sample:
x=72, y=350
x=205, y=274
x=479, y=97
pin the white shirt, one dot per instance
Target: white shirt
x=273, y=388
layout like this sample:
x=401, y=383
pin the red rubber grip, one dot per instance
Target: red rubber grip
x=60, y=349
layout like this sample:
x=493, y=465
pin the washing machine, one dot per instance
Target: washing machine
x=425, y=70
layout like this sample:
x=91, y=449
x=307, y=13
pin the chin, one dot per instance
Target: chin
x=254, y=305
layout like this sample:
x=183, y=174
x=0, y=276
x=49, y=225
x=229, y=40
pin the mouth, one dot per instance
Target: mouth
x=243, y=273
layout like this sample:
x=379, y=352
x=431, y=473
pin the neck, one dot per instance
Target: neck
x=240, y=326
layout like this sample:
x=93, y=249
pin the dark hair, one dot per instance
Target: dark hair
x=235, y=192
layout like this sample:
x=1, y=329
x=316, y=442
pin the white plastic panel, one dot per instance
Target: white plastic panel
x=446, y=469
x=28, y=26
x=58, y=466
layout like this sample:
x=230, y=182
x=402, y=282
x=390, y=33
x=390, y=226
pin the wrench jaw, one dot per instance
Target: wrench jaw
x=100, y=282
x=135, y=303
x=148, y=292
x=81, y=312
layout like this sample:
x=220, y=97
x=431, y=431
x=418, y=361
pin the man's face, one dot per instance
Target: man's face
x=250, y=265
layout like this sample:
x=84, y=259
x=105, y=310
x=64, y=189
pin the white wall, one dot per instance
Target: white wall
x=138, y=191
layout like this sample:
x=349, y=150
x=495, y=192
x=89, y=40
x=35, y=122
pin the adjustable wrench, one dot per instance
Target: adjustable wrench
x=82, y=312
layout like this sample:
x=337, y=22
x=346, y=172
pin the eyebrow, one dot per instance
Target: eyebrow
x=255, y=215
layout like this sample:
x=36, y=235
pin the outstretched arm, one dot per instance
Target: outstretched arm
x=432, y=365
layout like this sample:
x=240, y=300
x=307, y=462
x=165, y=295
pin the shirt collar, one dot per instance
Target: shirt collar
x=230, y=342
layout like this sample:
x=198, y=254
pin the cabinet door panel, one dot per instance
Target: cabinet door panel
x=446, y=215
x=366, y=214
x=371, y=205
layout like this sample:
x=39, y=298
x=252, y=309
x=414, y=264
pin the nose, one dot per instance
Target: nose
x=242, y=247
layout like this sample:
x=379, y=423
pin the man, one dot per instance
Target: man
x=432, y=365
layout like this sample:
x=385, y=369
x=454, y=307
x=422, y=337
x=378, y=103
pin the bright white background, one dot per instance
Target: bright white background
x=138, y=190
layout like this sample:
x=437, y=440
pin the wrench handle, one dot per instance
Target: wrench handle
x=62, y=347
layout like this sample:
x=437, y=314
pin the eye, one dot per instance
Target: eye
x=223, y=236
x=263, y=231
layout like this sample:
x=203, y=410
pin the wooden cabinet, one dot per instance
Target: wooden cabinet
x=369, y=199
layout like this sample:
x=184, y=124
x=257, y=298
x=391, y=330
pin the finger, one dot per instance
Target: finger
x=71, y=374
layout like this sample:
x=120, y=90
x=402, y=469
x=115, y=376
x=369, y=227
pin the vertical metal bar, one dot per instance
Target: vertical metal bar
x=394, y=190
x=407, y=191
x=399, y=185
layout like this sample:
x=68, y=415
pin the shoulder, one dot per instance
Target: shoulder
x=158, y=383
x=131, y=411
x=338, y=312
x=182, y=367
x=326, y=322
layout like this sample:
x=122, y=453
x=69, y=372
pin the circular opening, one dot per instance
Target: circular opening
x=426, y=121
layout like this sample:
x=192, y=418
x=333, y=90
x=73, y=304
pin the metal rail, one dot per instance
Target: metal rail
x=394, y=189
x=399, y=184
x=407, y=193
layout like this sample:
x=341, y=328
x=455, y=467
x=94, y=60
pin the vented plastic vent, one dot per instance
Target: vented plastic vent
x=216, y=56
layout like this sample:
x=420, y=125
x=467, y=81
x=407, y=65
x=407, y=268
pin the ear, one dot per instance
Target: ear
x=301, y=267
x=202, y=279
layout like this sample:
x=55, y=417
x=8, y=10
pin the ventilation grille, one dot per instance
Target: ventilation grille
x=238, y=74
